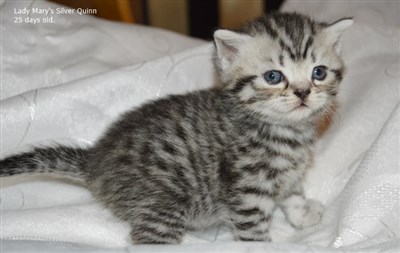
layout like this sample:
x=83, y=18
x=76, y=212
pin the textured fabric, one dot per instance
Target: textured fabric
x=73, y=47
x=57, y=90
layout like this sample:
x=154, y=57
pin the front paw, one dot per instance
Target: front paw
x=253, y=238
x=307, y=215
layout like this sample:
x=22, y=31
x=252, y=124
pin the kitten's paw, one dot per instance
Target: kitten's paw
x=255, y=238
x=307, y=215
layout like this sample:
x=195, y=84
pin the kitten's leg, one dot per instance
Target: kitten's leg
x=301, y=212
x=164, y=225
x=252, y=217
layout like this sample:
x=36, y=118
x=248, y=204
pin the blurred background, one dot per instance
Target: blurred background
x=197, y=18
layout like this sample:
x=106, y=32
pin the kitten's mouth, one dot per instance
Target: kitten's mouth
x=302, y=105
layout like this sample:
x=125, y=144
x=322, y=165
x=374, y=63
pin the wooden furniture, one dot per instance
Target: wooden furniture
x=129, y=11
x=198, y=18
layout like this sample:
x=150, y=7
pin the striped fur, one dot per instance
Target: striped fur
x=66, y=161
x=221, y=156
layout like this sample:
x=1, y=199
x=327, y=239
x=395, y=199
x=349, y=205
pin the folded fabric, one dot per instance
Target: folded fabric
x=356, y=167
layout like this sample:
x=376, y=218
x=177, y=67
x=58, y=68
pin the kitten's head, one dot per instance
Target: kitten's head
x=283, y=65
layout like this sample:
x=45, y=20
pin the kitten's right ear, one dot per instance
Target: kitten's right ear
x=228, y=45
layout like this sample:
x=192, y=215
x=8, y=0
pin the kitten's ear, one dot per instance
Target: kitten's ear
x=228, y=44
x=335, y=30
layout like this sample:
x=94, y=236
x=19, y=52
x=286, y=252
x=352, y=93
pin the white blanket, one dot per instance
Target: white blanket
x=66, y=81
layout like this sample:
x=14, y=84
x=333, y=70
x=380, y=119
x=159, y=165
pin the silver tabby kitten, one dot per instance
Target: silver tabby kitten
x=229, y=155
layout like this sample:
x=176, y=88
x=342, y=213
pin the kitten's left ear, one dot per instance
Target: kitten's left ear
x=335, y=31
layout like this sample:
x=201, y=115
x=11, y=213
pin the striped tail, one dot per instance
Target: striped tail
x=61, y=160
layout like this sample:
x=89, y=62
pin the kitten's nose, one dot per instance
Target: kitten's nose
x=302, y=93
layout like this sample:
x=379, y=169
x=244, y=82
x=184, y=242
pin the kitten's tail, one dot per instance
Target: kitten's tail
x=61, y=160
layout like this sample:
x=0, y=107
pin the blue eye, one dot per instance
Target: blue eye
x=273, y=77
x=319, y=73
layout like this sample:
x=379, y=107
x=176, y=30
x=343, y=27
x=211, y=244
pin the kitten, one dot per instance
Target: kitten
x=229, y=155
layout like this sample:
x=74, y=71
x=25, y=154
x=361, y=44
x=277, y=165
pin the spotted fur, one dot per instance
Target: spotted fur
x=220, y=156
